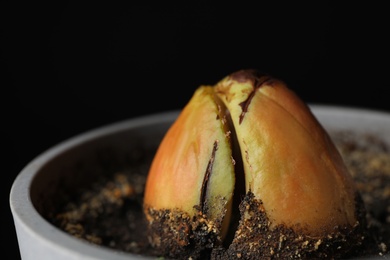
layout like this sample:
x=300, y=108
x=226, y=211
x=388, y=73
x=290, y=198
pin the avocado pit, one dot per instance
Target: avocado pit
x=286, y=191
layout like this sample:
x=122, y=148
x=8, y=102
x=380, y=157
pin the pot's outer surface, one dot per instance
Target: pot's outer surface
x=37, y=182
x=37, y=238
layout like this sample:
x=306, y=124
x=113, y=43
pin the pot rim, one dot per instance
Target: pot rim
x=25, y=214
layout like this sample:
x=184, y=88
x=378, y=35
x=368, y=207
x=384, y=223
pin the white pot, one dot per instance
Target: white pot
x=36, y=184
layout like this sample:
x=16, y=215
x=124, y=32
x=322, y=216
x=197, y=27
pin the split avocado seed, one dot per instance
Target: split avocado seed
x=247, y=168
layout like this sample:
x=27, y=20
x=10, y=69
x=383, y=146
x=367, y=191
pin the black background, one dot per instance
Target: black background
x=70, y=67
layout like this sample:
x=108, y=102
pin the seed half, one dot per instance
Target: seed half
x=290, y=163
x=193, y=168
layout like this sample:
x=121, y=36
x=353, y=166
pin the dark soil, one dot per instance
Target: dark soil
x=109, y=212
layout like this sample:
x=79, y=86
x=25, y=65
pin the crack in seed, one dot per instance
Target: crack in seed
x=207, y=178
x=257, y=79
